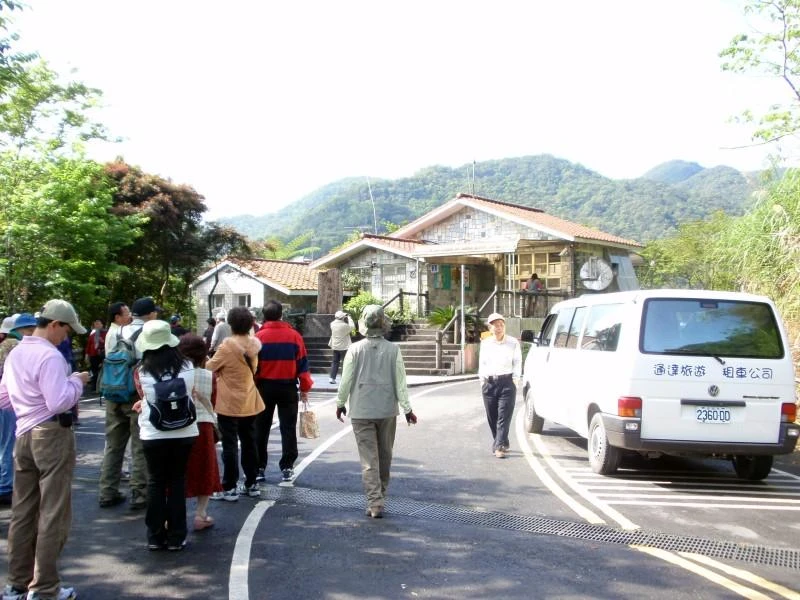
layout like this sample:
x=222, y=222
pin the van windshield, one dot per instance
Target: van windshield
x=710, y=328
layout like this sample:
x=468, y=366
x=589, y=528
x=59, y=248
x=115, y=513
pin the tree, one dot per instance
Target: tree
x=274, y=248
x=173, y=245
x=58, y=233
x=774, y=52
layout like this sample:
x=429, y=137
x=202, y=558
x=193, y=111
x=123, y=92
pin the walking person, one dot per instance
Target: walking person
x=211, y=322
x=374, y=382
x=499, y=367
x=341, y=326
x=282, y=365
x=221, y=331
x=42, y=392
x=122, y=422
x=166, y=452
x=238, y=404
x=202, y=471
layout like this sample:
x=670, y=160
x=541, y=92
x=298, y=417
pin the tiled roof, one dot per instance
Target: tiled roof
x=404, y=245
x=291, y=275
x=542, y=219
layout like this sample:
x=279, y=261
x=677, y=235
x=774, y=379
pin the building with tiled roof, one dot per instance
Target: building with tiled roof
x=494, y=247
x=252, y=282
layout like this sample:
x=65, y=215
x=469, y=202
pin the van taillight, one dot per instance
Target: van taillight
x=788, y=412
x=629, y=407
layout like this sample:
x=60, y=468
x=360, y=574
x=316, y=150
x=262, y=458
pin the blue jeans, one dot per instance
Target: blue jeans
x=8, y=424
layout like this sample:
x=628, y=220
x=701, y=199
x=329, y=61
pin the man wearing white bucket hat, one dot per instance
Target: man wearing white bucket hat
x=500, y=365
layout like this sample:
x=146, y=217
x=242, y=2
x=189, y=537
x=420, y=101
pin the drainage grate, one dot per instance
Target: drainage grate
x=776, y=557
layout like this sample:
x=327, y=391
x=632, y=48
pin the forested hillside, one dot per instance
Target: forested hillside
x=642, y=209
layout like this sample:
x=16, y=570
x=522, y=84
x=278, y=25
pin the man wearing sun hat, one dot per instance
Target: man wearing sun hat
x=23, y=324
x=37, y=384
x=340, y=340
x=499, y=366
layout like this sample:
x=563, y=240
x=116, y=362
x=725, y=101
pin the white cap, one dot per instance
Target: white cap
x=8, y=323
x=494, y=316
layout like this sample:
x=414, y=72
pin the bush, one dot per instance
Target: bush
x=356, y=304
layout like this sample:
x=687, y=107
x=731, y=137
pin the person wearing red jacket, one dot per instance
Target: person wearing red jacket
x=96, y=350
x=282, y=365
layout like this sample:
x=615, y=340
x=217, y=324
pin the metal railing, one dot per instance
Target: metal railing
x=399, y=297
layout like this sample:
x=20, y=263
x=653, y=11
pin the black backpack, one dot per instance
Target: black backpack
x=173, y=408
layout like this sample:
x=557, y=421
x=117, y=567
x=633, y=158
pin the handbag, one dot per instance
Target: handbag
x=309, y=428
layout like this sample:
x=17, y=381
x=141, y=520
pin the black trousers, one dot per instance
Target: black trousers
x=238, y=431
x=285, y=399
x=499, y=398
x=338, y=358
x=166, y=485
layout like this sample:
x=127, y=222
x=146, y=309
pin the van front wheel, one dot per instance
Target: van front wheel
x=533, y=422
x=752, y=468
x=603, y=457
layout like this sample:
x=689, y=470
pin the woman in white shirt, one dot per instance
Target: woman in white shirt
x=166, y=452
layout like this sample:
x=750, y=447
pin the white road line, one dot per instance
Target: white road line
x=238, y=586
x=615, y=515
x=707, y=505
x=678, y=496
x=544, y=477
x=729, y=584
x=784, y=474
x=744, y=575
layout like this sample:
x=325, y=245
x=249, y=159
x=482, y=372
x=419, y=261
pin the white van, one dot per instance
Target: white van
x=681, y=372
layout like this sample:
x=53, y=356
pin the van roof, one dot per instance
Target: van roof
x=641, y=295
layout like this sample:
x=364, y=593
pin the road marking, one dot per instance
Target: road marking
x=541, y=448
x=688, y=565
x=741, y=574
x=544, y=477
x=238, y=586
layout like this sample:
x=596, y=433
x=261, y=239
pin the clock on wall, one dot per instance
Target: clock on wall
x=596, y=274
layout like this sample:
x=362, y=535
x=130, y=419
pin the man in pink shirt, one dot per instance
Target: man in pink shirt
x=37, y=384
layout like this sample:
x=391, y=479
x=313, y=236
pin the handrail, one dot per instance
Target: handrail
x=399, y=295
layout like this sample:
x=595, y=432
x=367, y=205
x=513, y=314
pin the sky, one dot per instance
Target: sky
x=257, y=104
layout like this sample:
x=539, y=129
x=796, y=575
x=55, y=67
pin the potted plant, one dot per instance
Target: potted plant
x=354, y=306
x=400, y=319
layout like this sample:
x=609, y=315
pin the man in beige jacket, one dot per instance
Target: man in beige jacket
x=374, y=381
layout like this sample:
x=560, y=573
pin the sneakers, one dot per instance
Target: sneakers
x=138, y=503
x=260, y=476
x=288, y=474
x=177, y=547
x=230, y=495
x=252, y=491
x=13, y=593
x=332, y=381
x=113, y=501
x=499, y=453
x=63, y=594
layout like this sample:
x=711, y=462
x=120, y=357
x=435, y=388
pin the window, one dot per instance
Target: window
x=575, y=327
x=217, y=301
x=602, y=328
x=547, y=265
x=242, y=300
x=710, y=328
x=562, y=327
x=393, y=278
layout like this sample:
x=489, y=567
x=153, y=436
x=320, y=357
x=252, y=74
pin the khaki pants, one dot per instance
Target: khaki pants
x=122, y=423
x=375, y=441
x=41, y=515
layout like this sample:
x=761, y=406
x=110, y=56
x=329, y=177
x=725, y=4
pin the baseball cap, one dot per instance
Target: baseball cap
x=61, y=310
x=494, y=317
x=24, y=320
x=8, y=323
x=340, y=314
x=144, y=306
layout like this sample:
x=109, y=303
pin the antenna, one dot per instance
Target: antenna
x=472, y=187
x=374, y=214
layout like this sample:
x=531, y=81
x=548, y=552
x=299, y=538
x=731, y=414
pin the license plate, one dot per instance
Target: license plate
x=712, y=414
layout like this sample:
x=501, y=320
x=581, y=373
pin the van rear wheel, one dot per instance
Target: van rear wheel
x=752, y=468
x=603, y=457
x=533, y=422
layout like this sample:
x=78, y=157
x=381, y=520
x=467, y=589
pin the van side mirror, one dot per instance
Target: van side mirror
x=527, y=335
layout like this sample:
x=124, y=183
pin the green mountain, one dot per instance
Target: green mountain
x=642, y=209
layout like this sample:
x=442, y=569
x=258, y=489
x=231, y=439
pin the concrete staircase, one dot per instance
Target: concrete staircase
x=417, y=345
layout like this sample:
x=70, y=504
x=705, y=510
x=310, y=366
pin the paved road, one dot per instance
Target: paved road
x=460, y=524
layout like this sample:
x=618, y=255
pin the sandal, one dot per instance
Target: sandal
x=201, y=523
